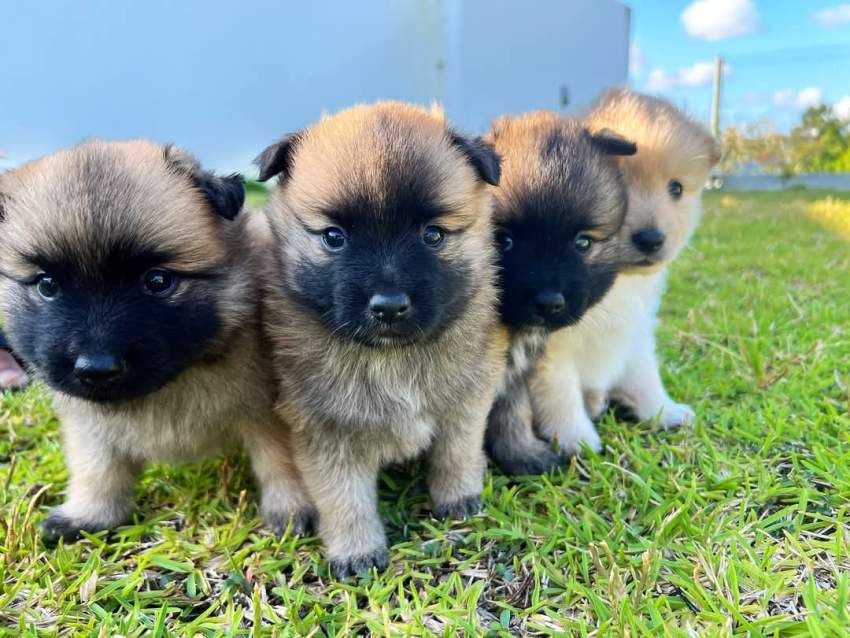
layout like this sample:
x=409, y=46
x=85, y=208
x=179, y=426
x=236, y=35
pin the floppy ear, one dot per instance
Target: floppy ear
x=225, y=195
x=485, y=161
x=277, y=158
x=613, y=144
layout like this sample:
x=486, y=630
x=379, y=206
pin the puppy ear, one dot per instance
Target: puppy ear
x=612, y=143
x=277, y=158
x=481, y=155
x=225, y=195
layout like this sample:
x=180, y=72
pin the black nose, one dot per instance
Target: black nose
x=648, y=240
x=389, y=308
x=549, y=304
x=98, y=369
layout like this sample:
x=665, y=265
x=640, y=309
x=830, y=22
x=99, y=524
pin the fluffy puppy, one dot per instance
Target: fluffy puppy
x=383, y=316
x=130, y=285
x=559, y=210
x=612, y=350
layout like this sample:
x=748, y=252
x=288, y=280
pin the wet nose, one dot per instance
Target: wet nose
x=648, y=240
x=98, y=369
x=549, y=304
x=389, y=308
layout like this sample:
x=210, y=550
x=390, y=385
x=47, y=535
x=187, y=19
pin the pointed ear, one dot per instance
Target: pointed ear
x=485, y=161
x=277, y=158
x=612, y=144
x=225, y=195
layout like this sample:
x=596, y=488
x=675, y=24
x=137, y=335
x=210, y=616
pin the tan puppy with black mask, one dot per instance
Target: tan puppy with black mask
x=612, y=350
x=130, y=282
x=384, y=315
x=559, y=213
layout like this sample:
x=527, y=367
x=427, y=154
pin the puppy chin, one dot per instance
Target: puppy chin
x=646, y=266
x=377, y=336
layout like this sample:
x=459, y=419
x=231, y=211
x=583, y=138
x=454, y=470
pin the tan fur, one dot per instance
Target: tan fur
x=612, y=351
x=355, y=409
x=142, y=189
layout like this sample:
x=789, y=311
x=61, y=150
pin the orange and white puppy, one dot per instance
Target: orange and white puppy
x=611, y=352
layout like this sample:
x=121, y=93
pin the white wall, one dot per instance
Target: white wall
x=224, y=79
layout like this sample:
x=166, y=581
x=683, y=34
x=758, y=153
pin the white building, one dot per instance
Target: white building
x=224, y=79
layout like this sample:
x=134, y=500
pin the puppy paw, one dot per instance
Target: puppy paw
x=57, y=525
x=460, y=509
x=580, y=432
x=343, y=568
x=533, y=458
x=305, y=522
x=676, y=415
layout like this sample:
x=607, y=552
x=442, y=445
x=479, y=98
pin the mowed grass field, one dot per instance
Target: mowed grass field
x=739, y=525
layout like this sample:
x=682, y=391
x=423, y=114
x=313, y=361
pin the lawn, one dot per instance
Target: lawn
x=736, y=526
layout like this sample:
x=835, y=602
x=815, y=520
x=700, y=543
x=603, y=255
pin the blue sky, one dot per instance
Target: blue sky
x=782, y=55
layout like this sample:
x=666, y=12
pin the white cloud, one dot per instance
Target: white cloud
x=637, y=60
x=810, y=96
x=788, y=99
x=833, y=17
x=841, y=108
x=697, y=75
x=720, y=19
x=783, y=98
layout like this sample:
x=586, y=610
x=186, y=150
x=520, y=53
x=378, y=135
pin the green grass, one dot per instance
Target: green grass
x=737, y=526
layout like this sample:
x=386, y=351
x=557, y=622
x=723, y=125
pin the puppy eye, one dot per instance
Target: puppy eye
x=506, y=241
x=583, y=243
x=333, y=238
x=433, y=236
x=675, y=188
x=47, y=286
x=159, y=283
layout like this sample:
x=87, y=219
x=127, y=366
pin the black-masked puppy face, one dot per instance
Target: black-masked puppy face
x=558, y=212
x=114, y=268
x=383, y=221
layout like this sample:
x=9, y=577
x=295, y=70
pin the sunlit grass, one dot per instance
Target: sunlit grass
x=833, y=213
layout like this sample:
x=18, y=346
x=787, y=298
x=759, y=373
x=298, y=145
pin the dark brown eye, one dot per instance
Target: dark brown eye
x=47, y=286
x=675, y=188
x=333, y=238
x=159, y=283
x=583, y=243
x=433, y=236
x=506, y=240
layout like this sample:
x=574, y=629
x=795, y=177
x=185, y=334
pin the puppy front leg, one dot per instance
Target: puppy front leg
x=283, y=495
x=344, y=490
x=456, y=464
x=510, y=439
x=100, y=487
x=642, y=390
x=559, y=410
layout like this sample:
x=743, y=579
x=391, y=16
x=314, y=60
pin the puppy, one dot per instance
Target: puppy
x=559, y=210
x=612, y=351
x=130, y=285
x=383, y=316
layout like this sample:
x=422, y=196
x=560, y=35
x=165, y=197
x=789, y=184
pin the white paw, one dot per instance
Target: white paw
x=574, y=433
x=676, y=415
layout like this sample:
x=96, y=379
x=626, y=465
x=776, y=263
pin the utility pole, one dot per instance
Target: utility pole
x=715, y=100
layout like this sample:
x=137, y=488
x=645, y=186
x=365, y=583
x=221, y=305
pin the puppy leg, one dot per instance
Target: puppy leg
x=559, y=411
x=343, y=487
x=283, y=496
x=596, y=403
x=510, y=439
x=100, y=487
x=642, y=390
x=456, y=464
